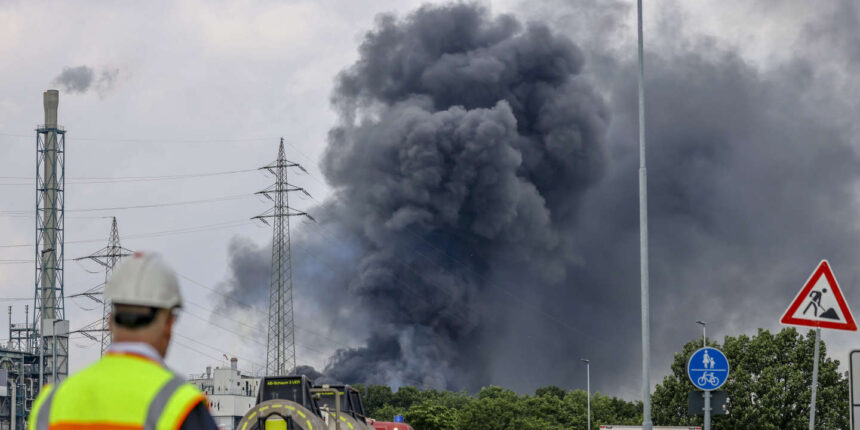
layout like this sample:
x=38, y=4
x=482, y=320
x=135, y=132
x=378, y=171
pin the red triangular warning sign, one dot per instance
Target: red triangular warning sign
x=820, y=303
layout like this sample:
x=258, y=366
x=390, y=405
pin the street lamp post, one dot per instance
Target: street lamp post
x=704, y=332
x=643, y=240
x=588, y=387
x=707, y=394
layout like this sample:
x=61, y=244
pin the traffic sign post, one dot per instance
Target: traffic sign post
x=854, y=370
x=819, y=304
x=696, y=402
x=708, y=369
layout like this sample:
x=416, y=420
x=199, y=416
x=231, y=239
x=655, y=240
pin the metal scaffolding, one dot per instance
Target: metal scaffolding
x=281, y=341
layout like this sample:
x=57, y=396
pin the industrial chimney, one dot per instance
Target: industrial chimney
x=49, y=315
x=50, y=99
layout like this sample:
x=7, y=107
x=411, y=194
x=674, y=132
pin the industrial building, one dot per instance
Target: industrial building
x=38, y=349
x=230, y=393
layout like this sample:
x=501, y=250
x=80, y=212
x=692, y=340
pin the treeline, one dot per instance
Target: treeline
x=768, y=389
x=496, y=408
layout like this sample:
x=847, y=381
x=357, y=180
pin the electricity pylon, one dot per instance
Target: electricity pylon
x=108, y=257
x=281, y=340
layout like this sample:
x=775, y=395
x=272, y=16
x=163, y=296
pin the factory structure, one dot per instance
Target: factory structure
x=37, y=351
x=38, y=348
x=230, y=394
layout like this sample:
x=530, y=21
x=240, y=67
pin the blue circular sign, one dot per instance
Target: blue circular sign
x=708, y=368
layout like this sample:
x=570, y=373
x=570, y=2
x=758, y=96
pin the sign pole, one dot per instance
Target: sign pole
x=814, y=379
x=708, y=369
x=819, y=303
x=707, y=410
x=854, y=388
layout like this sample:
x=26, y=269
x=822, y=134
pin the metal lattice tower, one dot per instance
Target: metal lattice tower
x=281, y=341
x=49, y=303
x=108, y=257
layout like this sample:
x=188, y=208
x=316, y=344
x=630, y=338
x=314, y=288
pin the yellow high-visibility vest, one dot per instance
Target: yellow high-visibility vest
x=119, y=392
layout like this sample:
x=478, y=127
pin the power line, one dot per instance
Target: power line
x=191, y=339
x=241, y=336
x=153, y=205
x=152, y=140
x=226, y=296
x=185, y=230
x=221, y=316
x=121, y=179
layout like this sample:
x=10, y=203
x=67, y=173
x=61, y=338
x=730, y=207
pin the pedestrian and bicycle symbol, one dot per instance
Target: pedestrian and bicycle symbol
x=820, y=303
x=708, y=368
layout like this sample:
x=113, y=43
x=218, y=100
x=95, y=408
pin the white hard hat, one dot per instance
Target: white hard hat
x=144, y=279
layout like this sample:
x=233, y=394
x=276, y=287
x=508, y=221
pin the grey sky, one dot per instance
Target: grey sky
x=207, y=87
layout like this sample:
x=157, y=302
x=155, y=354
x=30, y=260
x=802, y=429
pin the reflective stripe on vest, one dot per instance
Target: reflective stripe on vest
x=118, y=392
x=159, y=403
x=44, y=416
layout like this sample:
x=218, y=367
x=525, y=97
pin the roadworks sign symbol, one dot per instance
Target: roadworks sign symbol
x=820, y=303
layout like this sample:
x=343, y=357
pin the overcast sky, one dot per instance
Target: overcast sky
x=177, y=88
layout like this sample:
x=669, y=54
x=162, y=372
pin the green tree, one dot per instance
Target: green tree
x=387, y=412
x=494, y=409
x=405, y=397
x=769, y=385
x=375, y=397
x=431, y=415
x=550, y=390
x=612, y=410
x=449, y=399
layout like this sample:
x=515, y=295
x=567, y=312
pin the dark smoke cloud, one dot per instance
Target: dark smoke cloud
x=83, y=78
x=485, y=209
x=466, y=144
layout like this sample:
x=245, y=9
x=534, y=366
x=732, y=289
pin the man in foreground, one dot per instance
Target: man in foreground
x=130, y=387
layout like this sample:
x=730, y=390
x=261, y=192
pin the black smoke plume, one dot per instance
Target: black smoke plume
x=82, y=79
x=484, y=220
x=466, y=144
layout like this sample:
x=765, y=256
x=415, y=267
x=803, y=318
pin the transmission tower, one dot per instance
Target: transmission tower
x=52, y=341
x=281, y=341
x=108, y=257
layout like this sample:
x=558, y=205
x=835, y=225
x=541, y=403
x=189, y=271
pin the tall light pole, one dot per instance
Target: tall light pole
x=643, y=241
x=588, y=387
x=707, y=394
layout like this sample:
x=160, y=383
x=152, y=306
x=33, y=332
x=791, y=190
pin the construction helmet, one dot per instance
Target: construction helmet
x=144, y=279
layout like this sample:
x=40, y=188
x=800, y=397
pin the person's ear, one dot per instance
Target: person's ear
x=168, y=325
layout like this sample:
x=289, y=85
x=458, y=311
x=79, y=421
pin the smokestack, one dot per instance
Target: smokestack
x=49, y=228
x=51, y=99
x=234, y=363
x=208, y=372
